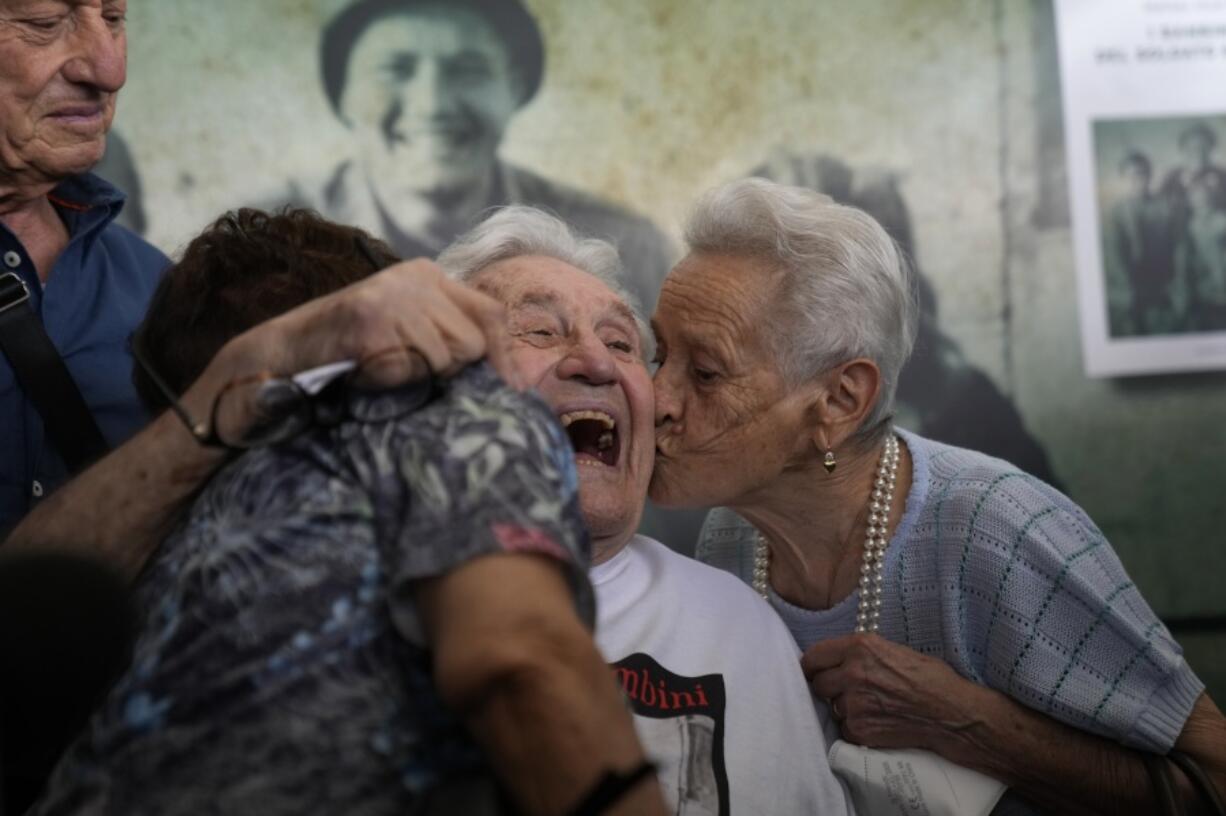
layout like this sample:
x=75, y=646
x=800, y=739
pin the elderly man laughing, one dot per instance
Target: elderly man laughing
x=709, y=673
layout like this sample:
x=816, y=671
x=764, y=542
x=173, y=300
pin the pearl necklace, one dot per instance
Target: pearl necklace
x=868, y=613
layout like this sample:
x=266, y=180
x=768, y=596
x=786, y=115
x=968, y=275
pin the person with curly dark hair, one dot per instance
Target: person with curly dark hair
x=381, y=609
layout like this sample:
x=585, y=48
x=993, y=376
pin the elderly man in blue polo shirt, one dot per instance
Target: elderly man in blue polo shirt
x=73, y=286
x=64, y=263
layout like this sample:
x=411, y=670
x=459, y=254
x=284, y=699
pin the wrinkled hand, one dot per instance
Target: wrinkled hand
x=885, y=695
x=393, y=324
x=382, y=320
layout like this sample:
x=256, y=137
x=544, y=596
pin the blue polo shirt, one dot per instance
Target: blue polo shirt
x=96, y=295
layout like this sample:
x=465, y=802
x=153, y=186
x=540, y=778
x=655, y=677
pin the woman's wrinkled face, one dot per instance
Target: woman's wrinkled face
x=727, y=424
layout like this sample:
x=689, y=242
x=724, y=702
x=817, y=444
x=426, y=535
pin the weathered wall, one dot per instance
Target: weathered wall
x=648, y=102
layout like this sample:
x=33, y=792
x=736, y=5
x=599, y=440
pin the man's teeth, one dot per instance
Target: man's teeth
x=604, y=441
x=599, y=416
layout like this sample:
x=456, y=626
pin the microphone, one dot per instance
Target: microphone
x=67, y=625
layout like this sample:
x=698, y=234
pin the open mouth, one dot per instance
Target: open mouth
x=593, y=435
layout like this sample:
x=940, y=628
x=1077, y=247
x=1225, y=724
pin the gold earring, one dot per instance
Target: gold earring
x=829, y=462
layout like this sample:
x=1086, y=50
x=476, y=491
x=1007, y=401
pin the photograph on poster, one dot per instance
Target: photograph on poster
x=1162, y=193
x=1147, y=181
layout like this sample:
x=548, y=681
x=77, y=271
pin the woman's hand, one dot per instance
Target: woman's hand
x=884, y=695
x=399, y=325
x=406, y=308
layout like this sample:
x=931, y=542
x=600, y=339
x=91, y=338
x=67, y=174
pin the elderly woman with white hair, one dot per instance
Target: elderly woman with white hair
x=944, y=599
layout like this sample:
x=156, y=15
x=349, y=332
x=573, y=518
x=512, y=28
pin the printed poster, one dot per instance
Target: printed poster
x=1144, y=93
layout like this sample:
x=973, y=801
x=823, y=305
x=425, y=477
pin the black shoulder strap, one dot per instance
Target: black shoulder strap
x=41, y=373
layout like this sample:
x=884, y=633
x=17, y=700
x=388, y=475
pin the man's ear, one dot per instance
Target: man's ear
x=842, y=398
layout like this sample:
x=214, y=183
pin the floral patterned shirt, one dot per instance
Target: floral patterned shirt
x=280, y=667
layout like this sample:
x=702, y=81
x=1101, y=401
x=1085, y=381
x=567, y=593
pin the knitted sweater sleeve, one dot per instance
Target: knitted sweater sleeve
x=1039, y=607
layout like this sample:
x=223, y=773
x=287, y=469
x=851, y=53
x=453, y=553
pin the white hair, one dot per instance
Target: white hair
x=845, y=289
x=518, y=230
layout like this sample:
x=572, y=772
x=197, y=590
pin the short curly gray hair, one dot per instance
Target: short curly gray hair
x=846, y=289
x=518, y=230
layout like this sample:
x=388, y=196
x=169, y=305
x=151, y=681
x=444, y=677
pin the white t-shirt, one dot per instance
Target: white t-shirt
x=714, y=680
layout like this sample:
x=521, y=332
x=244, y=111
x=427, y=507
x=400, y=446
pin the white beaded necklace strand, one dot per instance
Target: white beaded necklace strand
x=868, y=614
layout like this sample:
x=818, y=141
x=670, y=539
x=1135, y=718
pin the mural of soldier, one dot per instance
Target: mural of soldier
x=427, y=89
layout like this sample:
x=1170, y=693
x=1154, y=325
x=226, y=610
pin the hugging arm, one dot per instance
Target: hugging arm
x=478, y=507
x=121, y=507
x=513, y=660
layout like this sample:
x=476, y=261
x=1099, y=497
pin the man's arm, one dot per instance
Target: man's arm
x=120, y=508
x=512, y=658
x=890, y=696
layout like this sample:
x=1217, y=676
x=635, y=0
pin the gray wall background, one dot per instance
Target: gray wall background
x=648, y=102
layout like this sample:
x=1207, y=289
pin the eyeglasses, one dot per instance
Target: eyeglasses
x=285, y=407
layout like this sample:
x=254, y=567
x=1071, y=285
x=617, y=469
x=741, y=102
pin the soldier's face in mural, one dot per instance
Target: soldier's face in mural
x=429, y=93
x=61, y=65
